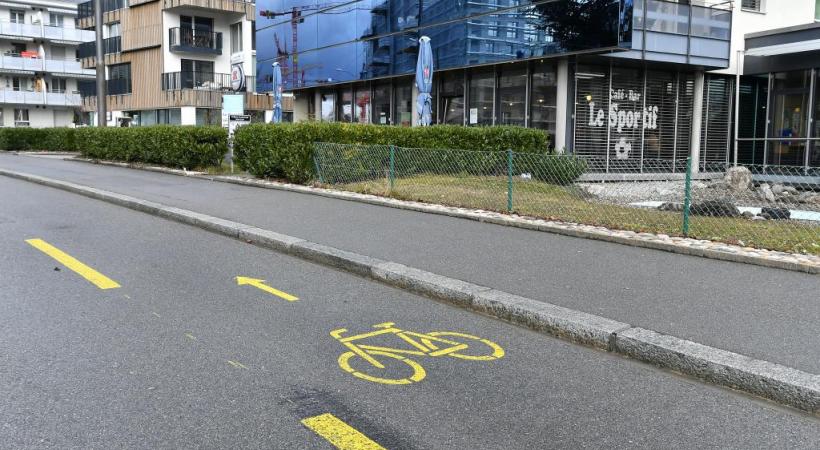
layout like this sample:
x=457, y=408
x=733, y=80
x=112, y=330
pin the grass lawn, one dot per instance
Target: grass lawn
x=568, y=204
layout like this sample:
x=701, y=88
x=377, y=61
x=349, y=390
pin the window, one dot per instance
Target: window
x=752, y=5
x=451, y=98
x=57, y=85
x=17, y=48
x=328, y=107
x=236, y=37
x=21, y=118
x=543, y=97
x=381, y=104
x=345, y=105
x=482, y=87
x=817, y=10
x=196, y=73
x=119, y=79
x=55, y=20
x=205, y=24
x=113, y=29
x=18, y=16
x=512, y=89
x=362, y=106
x=404, y=102
x=205, y=116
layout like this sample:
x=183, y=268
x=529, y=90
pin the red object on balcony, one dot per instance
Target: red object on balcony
x=29, y=54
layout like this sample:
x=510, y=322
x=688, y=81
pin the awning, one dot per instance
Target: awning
x=785, y=49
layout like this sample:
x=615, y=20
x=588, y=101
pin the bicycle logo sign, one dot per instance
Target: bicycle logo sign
x=434, y=343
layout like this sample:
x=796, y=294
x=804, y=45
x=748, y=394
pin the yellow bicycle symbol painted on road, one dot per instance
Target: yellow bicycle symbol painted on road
x=434, y=343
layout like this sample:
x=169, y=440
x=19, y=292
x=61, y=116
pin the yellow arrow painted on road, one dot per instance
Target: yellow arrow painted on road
x=260, y=284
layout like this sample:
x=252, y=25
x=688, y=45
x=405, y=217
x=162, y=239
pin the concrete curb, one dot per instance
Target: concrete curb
x=782, y=384
x=682, y=246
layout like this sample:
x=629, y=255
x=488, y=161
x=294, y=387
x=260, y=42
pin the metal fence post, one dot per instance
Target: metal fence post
x=392, y=173
x=316, y=164
x=687, y=197
x=509, y=180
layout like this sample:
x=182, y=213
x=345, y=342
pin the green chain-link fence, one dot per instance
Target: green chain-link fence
x=771, y=208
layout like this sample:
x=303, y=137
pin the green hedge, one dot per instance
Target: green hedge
x=45, y=139
x=286, y=150
x=167, y=145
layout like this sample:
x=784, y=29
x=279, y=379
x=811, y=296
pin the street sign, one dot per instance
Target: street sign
x=232, y=104
x=235, y=121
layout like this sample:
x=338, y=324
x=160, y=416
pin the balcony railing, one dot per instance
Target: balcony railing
x=110, y=45
x=13, y=61
x=87, y=9
x=206, y=81
x=32, y=30
x=71, y=99
x=71, y=66
x=67, y=34
x=194, y=41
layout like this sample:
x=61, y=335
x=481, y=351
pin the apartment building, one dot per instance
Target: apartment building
x=40, y=75
x=171, y=61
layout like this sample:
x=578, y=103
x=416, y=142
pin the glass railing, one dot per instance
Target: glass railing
x=110, y=45
x=118, y=87
x=87, y=9
x=205, y=81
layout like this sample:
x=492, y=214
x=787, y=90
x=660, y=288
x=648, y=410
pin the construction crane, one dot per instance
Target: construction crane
x=295, y=19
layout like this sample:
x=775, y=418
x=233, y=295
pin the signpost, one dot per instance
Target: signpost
x=235, y=121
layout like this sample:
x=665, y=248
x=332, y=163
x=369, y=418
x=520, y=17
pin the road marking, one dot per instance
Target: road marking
x=260, y=284
x=96, y=278
x=340, y=434
x=156, y=315
x=238, y=365
x=190, y=336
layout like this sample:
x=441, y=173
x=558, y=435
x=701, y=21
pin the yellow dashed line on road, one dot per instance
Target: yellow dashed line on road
x=96, y=278
x=340, y=434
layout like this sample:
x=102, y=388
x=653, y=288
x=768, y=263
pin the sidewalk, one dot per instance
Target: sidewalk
x=764, y=313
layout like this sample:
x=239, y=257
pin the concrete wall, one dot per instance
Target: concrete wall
x=774, y=14
x=39, y=117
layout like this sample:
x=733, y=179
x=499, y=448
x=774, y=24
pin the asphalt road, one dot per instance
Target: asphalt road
x=181, y=356
x=764, y=313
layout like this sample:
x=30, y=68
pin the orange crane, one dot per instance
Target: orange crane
x=295, y=19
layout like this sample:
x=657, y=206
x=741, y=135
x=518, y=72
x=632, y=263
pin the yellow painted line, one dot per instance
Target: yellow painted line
x=260, y=284
x=340, y=434
x=238, y=365
x=96, y=278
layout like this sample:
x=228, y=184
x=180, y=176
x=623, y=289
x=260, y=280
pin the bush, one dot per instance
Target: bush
x=45, y=139
x=174, y=146
x=286, y=150
x=554, y=169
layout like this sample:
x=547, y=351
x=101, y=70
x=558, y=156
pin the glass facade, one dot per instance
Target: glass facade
x=778, y=123
x=367, y=39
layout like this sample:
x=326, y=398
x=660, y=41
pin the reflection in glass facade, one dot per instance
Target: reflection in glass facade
x=324, y=43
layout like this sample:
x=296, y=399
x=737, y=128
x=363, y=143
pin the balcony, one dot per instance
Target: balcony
x=87, y=9
x=21, y=30
x=110, y=45
x=247, y=7
x=203, y=81
x=15, y=63
x=67, y=99
x=67, y=66
x=188, y=40
x=67, y=34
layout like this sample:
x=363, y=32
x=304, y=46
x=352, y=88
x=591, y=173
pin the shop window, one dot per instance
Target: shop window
x=206, y=116
x=345, y=105
x=789, y=117
x=512, y=94
x=362, y=105
x=381, y=104
x=328, y=107
x=482, y=91
x=543, y=97
x=451, y=98
x=404, y=102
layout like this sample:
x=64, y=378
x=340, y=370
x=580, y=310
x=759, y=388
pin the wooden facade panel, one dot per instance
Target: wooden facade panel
x=142, y=26
x=237, y=6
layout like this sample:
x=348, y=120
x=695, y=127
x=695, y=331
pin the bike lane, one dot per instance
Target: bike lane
x=180, y=319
